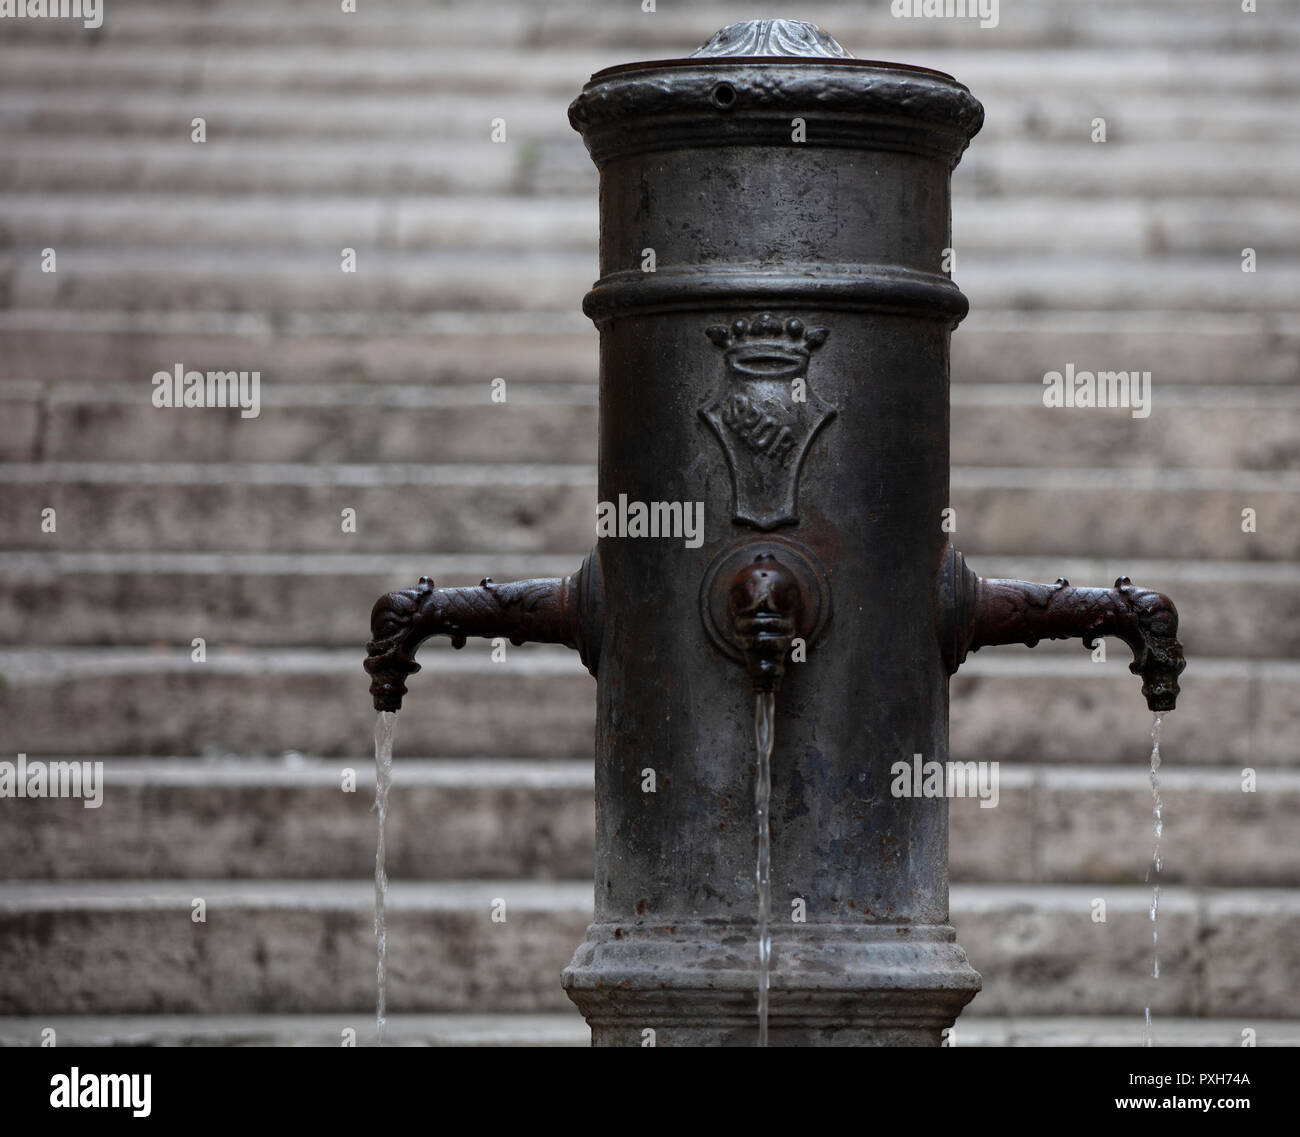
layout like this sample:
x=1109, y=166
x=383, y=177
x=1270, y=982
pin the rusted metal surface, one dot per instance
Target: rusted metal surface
x=528, y=611
x=982, y=612
x=764, y=604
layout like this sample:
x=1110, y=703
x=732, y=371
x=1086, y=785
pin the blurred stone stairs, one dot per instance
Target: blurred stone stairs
x=370, y=131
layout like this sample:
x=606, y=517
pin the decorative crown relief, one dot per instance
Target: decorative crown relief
x=765, y=414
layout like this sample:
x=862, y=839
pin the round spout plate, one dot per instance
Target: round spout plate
x=801, y=561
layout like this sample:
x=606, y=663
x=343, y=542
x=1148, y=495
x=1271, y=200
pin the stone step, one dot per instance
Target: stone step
x=538, y=704
x=568, y=1029
x=1229, y=609
x=1007, y=705
x=261, y=166
x=974, y=1029
x=493, y=818
x=459, y=347
x=1245, y=428
x=336, y=423
x=1192, y=514
x=556, y=1029
x=276, y=507
x=1195, y=116
x=388, y=280
x=113, y=507
x=1080, y=825
x=393, y=68
x=555, y=163
x=139, y=221
x=432, y=349
x=522, y=819
x=295, y=947
x=543, y=423
x=564, y=25
x=253, y=599
x=244, y=281
x=78, y=223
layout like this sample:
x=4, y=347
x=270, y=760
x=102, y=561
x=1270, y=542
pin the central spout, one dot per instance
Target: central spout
x=764, y=606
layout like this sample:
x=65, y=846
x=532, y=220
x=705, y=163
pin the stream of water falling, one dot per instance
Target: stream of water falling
x=764, y=710
x=383, y=781
x=1158, y=826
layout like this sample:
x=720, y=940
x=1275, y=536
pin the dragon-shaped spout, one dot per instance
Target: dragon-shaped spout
x=974, y=612
x=558, y=610
x=764, y=606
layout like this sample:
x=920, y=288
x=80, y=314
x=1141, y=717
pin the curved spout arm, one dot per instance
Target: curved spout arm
x=558, y=610
x=977, y=613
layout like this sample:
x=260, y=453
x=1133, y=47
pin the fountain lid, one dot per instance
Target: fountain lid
x=751, y=79
x=773, y=37
x=770, y=41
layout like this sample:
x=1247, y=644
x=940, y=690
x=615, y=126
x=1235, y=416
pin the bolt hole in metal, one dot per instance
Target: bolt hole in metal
x=723, y=96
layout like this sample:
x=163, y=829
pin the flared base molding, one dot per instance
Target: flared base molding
x=831, y=985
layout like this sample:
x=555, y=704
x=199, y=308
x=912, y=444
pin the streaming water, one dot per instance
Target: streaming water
x=764, y=708
x=1158, y=826
x=383, y=781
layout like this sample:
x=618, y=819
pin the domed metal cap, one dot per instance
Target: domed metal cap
x=773, y=37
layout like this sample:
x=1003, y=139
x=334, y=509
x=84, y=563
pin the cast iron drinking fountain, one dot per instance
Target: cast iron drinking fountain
x=786, y=364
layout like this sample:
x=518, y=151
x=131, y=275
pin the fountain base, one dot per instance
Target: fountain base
x=832, y=984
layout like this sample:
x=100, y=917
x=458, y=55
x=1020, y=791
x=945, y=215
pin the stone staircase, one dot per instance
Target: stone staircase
x=370, y=131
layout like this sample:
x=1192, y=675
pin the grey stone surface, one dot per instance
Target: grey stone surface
x=1007, y=704
x=206, y=508
x=277, y=507
x=556, y=1029
x=1222, y=350
x=1177, y=514
x=567, y=222
x=507, y=818
x=285, y=947
x=995, y=346
x=527, y=281
x=1258, y=433
x=1198, y=427
x=1101, y=1030
x=570, y=1030
x=1040, y=951
x=486, y=818
x=294, y=347
x=315, y=702
x=1096, y=824
x=1013, y=705
x=1251, y=950
x=383, y=281
x=356, y=427
x=1106, y=24
x=251, y=599
x=308, y=946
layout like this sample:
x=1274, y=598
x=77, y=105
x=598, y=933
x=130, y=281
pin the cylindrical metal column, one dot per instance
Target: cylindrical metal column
x=774, y=320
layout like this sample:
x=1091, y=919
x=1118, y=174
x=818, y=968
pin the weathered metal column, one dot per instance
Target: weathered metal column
x=785, y=363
